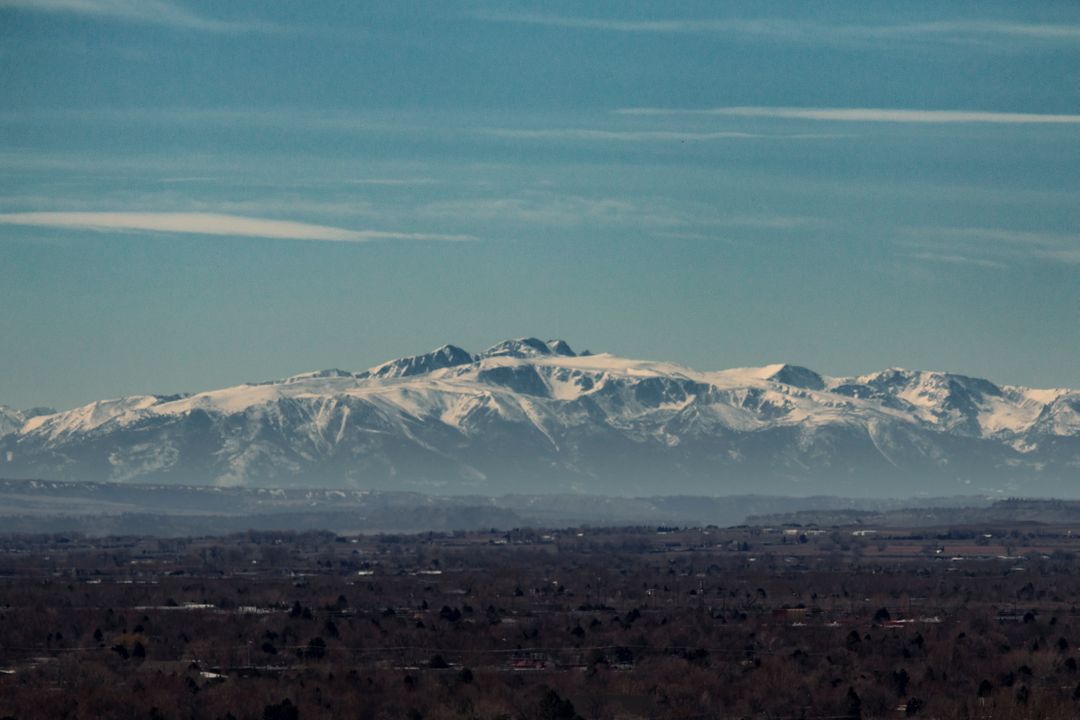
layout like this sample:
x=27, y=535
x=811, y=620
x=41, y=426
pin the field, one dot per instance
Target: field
x=654, y=622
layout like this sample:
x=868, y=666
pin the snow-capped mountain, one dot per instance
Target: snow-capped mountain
x=534, y=416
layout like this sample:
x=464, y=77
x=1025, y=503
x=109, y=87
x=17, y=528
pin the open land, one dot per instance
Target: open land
x=783, y=621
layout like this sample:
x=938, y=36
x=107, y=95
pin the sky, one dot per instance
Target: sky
x=198, y=194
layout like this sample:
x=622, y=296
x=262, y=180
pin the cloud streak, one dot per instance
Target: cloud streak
x=208, y=224
x=557, y=210
x=991, y=247
x=637, y=136
x=958, y=260
x=148, y=12
x=783, y=29
x=873, y=115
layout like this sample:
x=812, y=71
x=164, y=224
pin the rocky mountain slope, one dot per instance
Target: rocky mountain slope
x=534, y=416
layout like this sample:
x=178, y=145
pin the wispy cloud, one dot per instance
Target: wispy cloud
x=785, y=28
x=557, y=210
x=613, y=135
x=149, y=12
x=776, y=222
x=720, y=227
x=992, y=247
x=962, y=30
x=390, y=182
x=957, y=260
x=999, y=235
x=293, y=119
x=888, y=115
x=337, y=182
x=637, y=136
x=208, y=224
x=991, y=28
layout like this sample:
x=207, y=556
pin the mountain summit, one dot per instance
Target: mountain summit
x=528, y=415
x=444, y=357
x=528, y=348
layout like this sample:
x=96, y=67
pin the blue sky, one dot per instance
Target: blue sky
x=198, y=194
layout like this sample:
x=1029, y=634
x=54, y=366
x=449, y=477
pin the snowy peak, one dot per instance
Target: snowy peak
x=444, y=357
x=90, y=418
x=560, y=347
x=968, y=406
x=449, y=356
x=528, y=348
x=1061, y=417
x=929, y=383
x=314, y=375
x=795, y=376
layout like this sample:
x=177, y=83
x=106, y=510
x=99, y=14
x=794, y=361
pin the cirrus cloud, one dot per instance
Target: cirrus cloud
x=197, y=223
x=638, y=136
x=888, y=115
x=802, y=30
x=149, y=12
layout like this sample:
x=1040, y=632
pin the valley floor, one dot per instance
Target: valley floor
x=658, y=622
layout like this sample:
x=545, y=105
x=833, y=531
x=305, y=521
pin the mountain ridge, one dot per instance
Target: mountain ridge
x=529, y=414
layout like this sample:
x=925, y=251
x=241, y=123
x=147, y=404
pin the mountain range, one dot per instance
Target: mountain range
x=529, y=416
